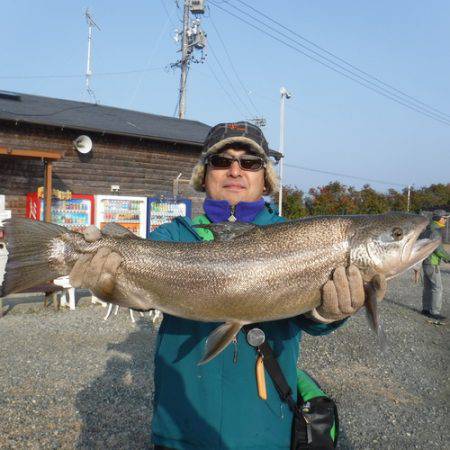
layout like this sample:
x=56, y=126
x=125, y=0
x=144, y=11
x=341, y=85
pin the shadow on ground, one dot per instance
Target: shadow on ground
x=116, y=408
x=343, y=441
x=403, y=305
x=20, y=303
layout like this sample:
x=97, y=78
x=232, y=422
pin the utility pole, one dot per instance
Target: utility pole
x=192, y=38
x=184, y=61
x=91, y=24
x=284, y=94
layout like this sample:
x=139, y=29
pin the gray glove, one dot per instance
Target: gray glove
x=345, y=294
x=97, y=271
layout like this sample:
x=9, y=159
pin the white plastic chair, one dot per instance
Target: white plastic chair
x=95, y=299
x=154, y=314
x=68, y=291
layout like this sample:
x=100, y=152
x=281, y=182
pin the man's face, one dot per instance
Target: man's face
x=234, y=184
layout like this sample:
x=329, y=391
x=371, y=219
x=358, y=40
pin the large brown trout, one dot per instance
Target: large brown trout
x=248, y=274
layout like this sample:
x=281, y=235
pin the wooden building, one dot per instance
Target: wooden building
x=142, y=153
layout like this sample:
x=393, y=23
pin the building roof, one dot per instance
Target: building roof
x=98, y=118
x=83, y=116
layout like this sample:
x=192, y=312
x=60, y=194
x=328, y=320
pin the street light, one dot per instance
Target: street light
x=284, y=94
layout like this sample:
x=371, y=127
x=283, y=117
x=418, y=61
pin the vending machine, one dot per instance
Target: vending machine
x=73, y=211
x=130, y=212
x=162, y=210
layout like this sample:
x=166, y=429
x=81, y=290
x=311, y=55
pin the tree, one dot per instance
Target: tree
x=334, y=198
x=398, y=201
x=293, y=203
x=337, y=198
x=431, y=197
x=372, y=202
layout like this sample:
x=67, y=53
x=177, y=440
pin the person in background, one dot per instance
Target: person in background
x=216, y=405
x=432, y=282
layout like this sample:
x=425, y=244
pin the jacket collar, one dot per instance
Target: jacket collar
x=221, y=210
x=268, y=215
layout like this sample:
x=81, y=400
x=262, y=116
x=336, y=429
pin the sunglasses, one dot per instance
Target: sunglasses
x=246, y=162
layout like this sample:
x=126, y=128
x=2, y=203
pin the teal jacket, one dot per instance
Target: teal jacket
x=215, y=406
x=433, y=231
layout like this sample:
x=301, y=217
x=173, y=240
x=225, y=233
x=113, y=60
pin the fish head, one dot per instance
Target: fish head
x=389, y=244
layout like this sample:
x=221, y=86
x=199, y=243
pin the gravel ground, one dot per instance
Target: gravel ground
x=392, y=399
x=70, y=380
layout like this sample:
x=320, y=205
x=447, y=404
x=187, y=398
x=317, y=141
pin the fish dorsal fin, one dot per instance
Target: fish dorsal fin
x=227, y=231
x=219, y=340
x=116, y=230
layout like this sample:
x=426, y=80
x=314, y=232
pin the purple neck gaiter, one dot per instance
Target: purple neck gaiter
x=221, y=210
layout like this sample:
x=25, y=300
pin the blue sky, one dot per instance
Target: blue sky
x=332, y=123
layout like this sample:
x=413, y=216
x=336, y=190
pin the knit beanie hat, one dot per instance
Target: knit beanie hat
x=240, y=134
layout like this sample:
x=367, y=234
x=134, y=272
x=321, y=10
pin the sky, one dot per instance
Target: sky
x=332, y=123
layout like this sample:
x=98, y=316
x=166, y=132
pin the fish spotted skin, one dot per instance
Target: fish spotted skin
x=263, y=273
x=268, y=273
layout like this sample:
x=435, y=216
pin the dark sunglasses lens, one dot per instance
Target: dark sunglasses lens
x=246, y=162
x=249, y=163
x=220, y=161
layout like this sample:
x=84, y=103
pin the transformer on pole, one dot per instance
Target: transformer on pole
x=192, y=38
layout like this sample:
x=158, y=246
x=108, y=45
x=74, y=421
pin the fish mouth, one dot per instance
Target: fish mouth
x=415, y=250
x=415, y=247
x=422, y=248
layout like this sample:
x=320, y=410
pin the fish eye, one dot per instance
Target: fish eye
x=397, y=233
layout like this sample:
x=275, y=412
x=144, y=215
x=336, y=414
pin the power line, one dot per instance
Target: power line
x=343, y=175
x=169, y=16
x=272, y=100
x=384, y=92
x=390, y=94
x=32, y=77
x=343, y=60
x=152, y=55
x=224, y=90
x=367, y=84
x=233, y=67
x=228, y=80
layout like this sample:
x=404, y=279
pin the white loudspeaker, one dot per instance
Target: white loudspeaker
x=83, y=144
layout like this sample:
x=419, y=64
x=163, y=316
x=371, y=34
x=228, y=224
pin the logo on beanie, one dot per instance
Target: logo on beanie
x=235, y=126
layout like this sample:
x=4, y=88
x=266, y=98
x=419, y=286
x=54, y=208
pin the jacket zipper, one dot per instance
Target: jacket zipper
x=232, y=217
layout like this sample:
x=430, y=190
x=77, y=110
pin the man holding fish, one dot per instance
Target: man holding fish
x=238, y=265
x=216, y=405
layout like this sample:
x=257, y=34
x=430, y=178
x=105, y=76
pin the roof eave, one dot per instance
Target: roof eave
x=96, y=130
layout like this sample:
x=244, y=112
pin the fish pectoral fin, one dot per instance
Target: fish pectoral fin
x=375, y=291
x=219, y=340
x=227, y=231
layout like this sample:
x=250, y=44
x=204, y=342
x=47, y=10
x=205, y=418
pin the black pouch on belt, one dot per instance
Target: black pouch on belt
x=315, y=421
x=311, y=429
x=318, y=425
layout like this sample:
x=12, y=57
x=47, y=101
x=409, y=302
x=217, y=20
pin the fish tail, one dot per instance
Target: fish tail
x=29, y=262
